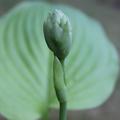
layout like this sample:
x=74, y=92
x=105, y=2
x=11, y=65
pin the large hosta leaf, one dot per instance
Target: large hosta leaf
x=26, y=63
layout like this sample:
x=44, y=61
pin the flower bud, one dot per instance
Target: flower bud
x=58, y=33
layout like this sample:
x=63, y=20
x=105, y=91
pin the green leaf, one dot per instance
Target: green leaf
x=26, y=63
x=92, y=65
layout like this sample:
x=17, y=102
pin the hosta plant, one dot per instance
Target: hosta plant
x=50, y=56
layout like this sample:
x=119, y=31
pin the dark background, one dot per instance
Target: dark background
x=108, y=13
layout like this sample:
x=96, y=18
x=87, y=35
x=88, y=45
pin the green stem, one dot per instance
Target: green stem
x=63, y=105
x=63, y=67
x=60, y=87
x=45, y=117
x=63, y=111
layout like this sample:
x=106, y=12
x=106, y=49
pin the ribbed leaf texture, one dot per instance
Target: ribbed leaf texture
x=26, y=63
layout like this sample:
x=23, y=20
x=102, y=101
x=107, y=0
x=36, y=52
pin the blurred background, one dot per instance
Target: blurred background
x=108, y=13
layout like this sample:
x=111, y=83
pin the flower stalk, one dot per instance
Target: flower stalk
x=58, y=36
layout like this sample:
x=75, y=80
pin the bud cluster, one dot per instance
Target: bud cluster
x=58, y=33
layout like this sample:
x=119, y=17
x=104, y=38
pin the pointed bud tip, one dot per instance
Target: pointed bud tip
x=57, y=32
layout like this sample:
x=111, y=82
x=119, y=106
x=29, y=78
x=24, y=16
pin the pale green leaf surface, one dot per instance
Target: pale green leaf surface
x=26, y=63
x=92, y=65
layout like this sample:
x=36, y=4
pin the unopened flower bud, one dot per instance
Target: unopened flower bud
x=58, y=33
